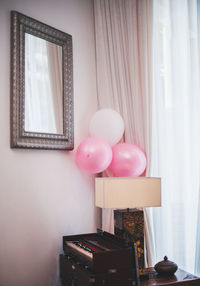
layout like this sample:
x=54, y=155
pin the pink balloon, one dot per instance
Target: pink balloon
x=93, y=155
x=128, y=160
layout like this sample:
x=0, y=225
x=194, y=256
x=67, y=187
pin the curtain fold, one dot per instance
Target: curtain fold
x=54, y=56
x=197, y=252
x=197, y=256
x=175, y=132
x=123, y=33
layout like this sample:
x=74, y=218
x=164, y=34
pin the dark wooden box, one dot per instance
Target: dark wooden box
x=116, y=265
x=73, y=274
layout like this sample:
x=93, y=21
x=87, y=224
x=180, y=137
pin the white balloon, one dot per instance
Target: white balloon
x=108, y=125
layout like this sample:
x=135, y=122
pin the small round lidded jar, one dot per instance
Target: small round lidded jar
x=166, y=267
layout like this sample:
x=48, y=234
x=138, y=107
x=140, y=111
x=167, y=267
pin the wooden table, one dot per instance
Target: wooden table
x=180, y=278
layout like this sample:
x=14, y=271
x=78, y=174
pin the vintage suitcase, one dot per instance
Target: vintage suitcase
x=111, y=261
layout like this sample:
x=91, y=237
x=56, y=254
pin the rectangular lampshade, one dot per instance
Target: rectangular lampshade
x=120, y=193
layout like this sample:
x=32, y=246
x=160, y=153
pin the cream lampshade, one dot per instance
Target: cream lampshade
x=120, y=193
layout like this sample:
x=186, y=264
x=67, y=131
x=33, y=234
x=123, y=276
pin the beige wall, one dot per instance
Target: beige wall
x=43, y=194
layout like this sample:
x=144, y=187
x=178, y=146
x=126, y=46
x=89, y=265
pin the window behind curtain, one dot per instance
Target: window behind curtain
x=176, y=128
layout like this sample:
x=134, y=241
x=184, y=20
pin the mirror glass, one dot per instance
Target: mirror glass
x=43, y=86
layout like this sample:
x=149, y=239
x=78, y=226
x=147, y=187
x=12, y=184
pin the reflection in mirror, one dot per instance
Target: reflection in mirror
x=43, y=86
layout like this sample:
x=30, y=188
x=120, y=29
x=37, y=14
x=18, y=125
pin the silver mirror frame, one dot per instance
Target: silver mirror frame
x=19, y=137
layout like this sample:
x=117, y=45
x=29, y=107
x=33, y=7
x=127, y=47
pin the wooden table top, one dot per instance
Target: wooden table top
x=180, y=278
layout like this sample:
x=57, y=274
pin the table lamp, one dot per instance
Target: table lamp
x=123, y=194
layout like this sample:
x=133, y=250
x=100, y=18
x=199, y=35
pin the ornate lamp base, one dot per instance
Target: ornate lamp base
x=129, y=225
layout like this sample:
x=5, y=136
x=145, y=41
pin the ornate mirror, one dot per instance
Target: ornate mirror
x=41, y=85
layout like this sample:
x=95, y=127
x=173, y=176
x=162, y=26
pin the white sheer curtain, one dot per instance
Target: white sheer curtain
x=176, y=129
x=123, y=55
